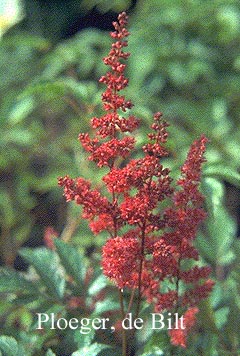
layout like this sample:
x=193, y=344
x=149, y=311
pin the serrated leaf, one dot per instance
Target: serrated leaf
x=71, y=260
x=8, y=346
x=93, y=350
x=46, y=264
x=12, y=281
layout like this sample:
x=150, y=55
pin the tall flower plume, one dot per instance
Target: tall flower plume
x=156, y=240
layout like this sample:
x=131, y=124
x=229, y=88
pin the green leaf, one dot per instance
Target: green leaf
x=98, y=284
x=50, y=353
x=225, y=173
x=156, y=344
x=216, y=247
x=50, y=90
x=19, y=136
x=47, y=266
x=105, y=5
x=26, y=298
x=221, y=316
x=93, y=350
x=210, y=342
x=207, y=317
x=24, y=40
x=7, y=208
x=71, y=260
x=12, y=282
x=8, y=345
x=153, y=353
x=83, y=340
x=21, y=110
x=105, y=305
x=48, y=308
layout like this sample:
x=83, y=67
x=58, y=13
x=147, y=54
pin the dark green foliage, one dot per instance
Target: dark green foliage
x=72, y=261
x=46, y=265
x=48, y=295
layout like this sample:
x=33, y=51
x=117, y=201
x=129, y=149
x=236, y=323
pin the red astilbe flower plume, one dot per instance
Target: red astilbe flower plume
x=179, y=336
x=151, y=224
x=110, y=125
x=121, y=258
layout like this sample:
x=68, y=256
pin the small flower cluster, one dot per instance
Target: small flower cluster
x=179, y=336
x=159, y=239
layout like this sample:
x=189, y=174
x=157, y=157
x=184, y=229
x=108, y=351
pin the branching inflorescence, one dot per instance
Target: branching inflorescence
x=148, y=243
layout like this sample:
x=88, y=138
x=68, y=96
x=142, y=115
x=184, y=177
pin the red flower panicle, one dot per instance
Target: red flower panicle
x=159, y=238
x=179, y=336
x=121, y=258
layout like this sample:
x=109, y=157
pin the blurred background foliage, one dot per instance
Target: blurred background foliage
x=185, y=61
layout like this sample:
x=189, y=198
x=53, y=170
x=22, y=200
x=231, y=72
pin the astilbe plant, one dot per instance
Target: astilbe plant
x=151, y=224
